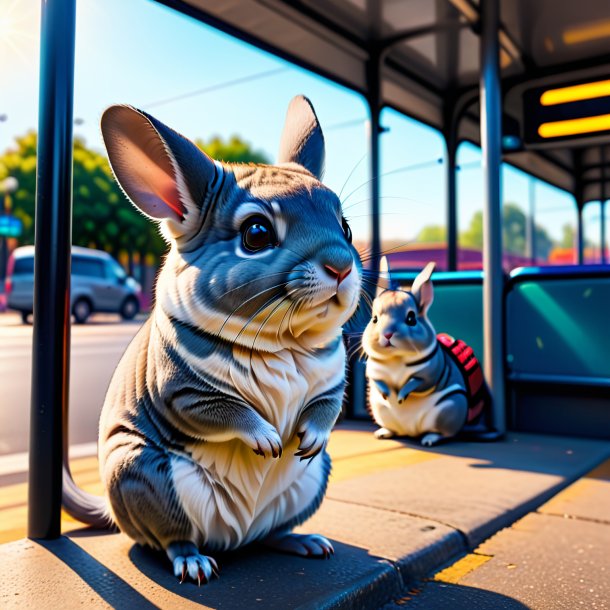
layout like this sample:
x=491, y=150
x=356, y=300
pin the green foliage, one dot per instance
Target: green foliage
x=102, y=217
x=432, y=234
x=233, y=150
x=513, y=233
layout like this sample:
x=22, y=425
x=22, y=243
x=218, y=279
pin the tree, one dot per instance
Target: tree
x=233, y=150
x=432, y=234
x=101, y=217
x=513, y=233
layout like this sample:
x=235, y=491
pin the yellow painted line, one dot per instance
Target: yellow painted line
x=574, y=126
x=592, y=483
x=351, y=468
x=454, y=573
x=575, y=93
x=13, y=501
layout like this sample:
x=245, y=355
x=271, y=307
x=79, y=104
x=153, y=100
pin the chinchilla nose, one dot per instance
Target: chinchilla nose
x=338, y=274
x=337, y=263
x=388, y=336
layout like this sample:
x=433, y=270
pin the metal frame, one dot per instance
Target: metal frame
x=491, y=147
x=53, y=238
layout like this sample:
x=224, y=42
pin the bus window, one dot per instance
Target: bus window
x=556, y=214
x=548, y=240
x=413, y=200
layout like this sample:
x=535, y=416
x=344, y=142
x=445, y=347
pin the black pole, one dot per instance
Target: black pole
x=452, y=228
x=491, y=144
x=580, y=237
x=602, y=213
x=374, y=102
x=51, y=340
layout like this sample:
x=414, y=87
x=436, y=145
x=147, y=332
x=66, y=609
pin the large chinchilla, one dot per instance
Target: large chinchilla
x=214, y=427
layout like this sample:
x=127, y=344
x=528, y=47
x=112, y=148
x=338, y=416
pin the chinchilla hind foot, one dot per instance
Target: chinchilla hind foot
x=306, y=545
x=187, y=560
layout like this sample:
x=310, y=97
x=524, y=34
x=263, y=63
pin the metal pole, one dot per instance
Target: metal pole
x=51, y=340
x=580, y=238
x=602, y=215
x=452, y=245
x=374, y=102
x=491, y=141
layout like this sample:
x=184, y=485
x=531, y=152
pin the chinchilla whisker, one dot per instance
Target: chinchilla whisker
x=258, y=294
x=267, y=303
x=267, y=318
x=256, y=279
x=396, y=197
x=364, y=156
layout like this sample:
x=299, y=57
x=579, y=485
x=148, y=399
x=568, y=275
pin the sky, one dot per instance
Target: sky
x=203, y=83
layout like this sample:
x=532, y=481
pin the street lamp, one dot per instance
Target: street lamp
x=9, y=226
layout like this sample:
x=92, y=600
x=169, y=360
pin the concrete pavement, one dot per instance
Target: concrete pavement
x=396, y=513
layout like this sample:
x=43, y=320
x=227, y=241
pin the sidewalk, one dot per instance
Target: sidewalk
x=396, y=513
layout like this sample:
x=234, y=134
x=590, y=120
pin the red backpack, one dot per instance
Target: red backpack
x=478, y=394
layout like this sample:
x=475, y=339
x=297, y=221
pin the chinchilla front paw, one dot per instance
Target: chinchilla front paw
x=383, y=433
x=312, y=440
x=431, y=439
x=264, y=440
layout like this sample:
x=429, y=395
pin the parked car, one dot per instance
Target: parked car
x=99, y=284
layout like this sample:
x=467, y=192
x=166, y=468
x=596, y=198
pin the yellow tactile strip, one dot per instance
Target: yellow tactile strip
x=13, y=501
x=354, y=450
x=454, y=573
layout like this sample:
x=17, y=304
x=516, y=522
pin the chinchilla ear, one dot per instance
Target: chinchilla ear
x=422, y=288
x=163, y=174
x=302, y=140
x=384, y=281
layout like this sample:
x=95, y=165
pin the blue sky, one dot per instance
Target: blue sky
x=142, y=53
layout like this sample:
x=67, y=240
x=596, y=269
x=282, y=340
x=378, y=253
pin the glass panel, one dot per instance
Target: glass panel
x=556, y=215
x=549, y=240
x=413, y=184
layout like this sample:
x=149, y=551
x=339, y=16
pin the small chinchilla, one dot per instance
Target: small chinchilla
x=214, y=428
x=421, y=384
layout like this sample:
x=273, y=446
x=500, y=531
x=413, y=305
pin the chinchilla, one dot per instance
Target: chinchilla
x=421, y=384
x=214, y=427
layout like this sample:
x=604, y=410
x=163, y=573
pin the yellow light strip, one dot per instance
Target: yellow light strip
x=574, y=126
x=577, y=92
x=587, y=33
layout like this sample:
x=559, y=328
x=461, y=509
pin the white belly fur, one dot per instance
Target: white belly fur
x=233, y=496
x=414, y=416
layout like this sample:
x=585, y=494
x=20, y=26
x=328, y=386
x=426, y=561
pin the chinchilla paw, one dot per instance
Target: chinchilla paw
x=312, y=442
x=198, y=567
x=265, y=441
x=306, y=545
x=432, y=438
x=384, y=433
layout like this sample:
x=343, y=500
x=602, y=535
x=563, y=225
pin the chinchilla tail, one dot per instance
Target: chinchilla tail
x=82, y=505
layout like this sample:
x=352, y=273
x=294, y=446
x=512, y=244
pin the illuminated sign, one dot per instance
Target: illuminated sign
x=562, y=113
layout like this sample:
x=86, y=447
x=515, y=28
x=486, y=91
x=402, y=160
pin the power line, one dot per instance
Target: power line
x=217, y=87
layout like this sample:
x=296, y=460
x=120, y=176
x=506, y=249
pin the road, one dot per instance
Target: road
x=96, y=349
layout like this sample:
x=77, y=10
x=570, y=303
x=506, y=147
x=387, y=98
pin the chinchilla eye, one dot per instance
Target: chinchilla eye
x=411, y=318
x=375, y=320
x=346, y=230
x=257, y=234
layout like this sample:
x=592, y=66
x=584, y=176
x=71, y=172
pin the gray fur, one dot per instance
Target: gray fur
x=242, y=355
x=415, y=388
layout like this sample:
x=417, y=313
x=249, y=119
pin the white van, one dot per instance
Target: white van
x=98, y=284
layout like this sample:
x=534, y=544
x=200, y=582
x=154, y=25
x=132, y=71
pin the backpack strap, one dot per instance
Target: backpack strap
x=469, y=366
